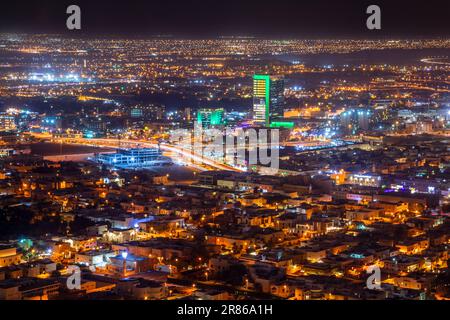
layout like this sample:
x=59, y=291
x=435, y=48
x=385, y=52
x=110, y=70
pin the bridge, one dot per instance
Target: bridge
x=190, y=158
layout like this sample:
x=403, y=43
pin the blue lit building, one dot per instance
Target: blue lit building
x=134, y=158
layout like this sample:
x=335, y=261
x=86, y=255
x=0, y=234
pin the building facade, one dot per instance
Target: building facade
x=268, y=98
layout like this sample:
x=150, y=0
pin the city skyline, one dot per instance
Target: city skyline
x=254, y=154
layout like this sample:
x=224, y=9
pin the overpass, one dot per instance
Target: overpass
x=193, y=159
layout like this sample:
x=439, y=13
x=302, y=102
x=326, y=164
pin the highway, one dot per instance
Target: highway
x=189, y=157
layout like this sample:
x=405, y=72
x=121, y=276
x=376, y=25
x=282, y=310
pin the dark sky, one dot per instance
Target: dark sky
x=211, y=18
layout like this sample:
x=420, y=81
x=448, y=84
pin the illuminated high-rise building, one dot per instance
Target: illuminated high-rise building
x=210, y=117
x=7, y=122
x=354, y=120
x=187, y=113
x=268, y=98
x=147, y=112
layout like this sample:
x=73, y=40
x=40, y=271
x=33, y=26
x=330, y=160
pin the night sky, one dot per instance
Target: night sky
x=212, y=18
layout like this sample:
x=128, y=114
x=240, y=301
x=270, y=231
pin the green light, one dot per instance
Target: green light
x=282, y=124
x=266, y=79
x=216, y=117
x=210, y=117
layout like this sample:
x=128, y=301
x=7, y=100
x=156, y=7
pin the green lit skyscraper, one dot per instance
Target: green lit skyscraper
x=268, y=98
x=210, y=117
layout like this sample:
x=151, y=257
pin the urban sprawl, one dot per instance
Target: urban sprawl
x=93, y=183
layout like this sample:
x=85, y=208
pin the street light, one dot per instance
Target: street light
x=124, y=256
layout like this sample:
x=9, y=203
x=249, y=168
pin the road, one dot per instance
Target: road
x=189, y=157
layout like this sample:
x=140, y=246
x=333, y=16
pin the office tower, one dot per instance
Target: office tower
x=268, y=98
x=7, y=122
x=363, y=119
x=149, y=112
x=355, y=120
x=187, y=113
x=210, y=117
